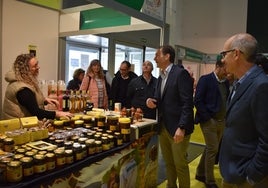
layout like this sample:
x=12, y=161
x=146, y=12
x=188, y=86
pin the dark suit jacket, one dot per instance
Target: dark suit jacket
x=208, y=97
x=244, y=148
x=175, y=107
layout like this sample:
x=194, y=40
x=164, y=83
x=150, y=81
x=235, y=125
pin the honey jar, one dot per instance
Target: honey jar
x=39, y=163
x=124, y=124
x=60, y=157
x=112, y=123
x=9, y=145
x=27, y=166
x=14, y=171
x=69, y=157
x=50, y=161
x=91, y=149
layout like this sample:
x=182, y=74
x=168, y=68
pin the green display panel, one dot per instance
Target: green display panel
x=136, y=4
x=102, y=17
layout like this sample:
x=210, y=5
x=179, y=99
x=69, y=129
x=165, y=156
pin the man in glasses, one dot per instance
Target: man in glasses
x=243, y=156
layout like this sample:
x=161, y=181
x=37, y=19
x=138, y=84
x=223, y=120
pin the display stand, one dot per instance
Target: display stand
x=133, y=164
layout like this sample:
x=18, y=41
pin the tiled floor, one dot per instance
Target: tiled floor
x=197, y=137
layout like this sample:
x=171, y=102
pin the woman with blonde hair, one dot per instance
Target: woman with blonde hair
x=23, y=96
x=94, y=82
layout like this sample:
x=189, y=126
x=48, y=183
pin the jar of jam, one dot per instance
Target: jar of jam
x=2, y=138
x=111, y=141
x=90, y=135
x=82, y=140
x=78, y=151
x=58, y=124
x=119, y=138
x=3, y=168
x=50, y=161
x=90, y=143
x=78, y=123
x=66, y=123
x=100, y=121
x=39, y=163
x=124, y=124
x=98, y=146
x=112, y=123
x=60, y=157
x=27, y=166
x=9, y=145
x=68, y=145
x=88, y=122
x=97, y=137
x=59, y=142
x=84, y=150
x=105, y=143
x=69, y=156
x=14, y=171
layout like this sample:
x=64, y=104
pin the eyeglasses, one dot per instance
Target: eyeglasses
x=223, y=54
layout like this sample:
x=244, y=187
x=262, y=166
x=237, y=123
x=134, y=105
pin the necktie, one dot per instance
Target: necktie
x=163, y=76
x=235, y=87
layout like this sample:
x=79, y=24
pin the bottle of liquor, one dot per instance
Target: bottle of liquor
x=72, y=102
x=66, y=101
x=77, y=101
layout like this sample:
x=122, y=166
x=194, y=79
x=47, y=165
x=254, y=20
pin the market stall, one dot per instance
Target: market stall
x=131, y=163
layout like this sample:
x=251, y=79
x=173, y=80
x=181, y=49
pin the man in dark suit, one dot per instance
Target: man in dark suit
x=174, y=100
x=244, y=150
x=210, y=101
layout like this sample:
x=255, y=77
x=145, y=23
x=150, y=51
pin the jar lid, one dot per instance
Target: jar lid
x=78, y=122
x=50, y=155
x=26, y=159
x=58, y=122
x=124, y=120
x=39, y=156
x=14, y=163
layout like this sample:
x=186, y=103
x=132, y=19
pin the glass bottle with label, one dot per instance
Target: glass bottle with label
x=66, y=101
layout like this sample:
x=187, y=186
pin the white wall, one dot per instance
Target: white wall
x=204, y=25
x=23, y=25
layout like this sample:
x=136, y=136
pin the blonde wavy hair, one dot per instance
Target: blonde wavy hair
x=22, y=70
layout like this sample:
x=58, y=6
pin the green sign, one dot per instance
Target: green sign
x=193, y=55
x=136, y=4
x=102, y=17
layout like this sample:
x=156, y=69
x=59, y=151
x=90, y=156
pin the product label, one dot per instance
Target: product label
x=28, y=171
x=125, y=131
x=51, y=165
x=60, y=161
x=40, y=168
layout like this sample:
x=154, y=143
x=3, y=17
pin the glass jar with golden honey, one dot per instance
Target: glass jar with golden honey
x=112, y=123
x=27, y=166
x=14, y=171
x=124, y=124
x=50, y=161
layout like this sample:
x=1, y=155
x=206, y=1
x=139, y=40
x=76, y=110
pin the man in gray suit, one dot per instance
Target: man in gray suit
x=244, y=151
x=174, y=101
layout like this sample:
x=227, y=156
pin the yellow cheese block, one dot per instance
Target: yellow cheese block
x=9, y=125
x=28, y=122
